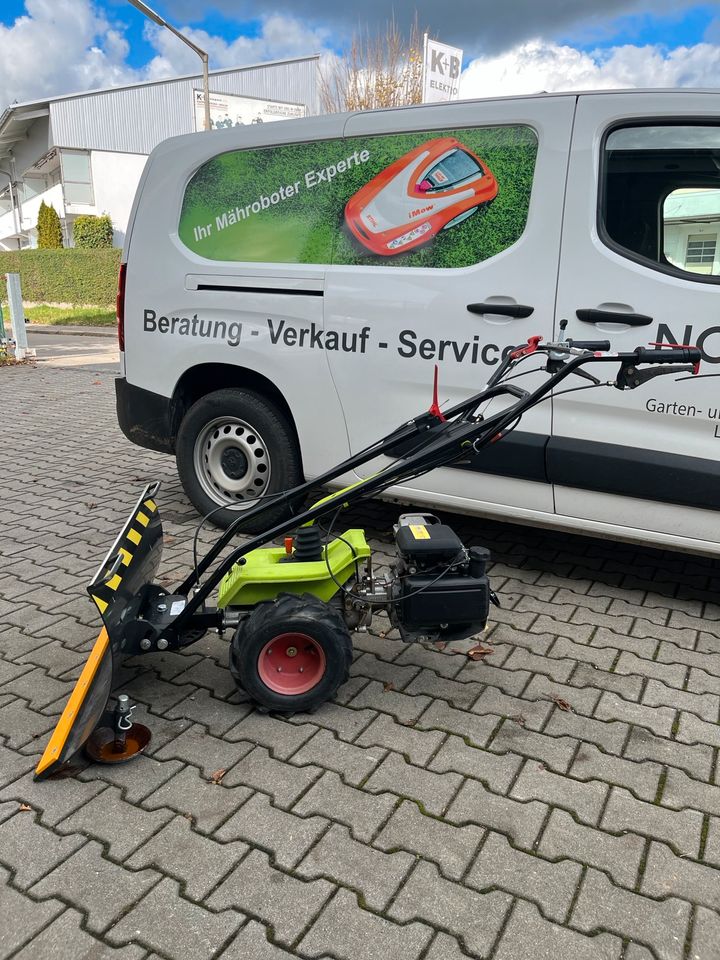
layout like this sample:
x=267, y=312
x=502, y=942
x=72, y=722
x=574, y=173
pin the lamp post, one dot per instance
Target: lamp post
x=144, y=8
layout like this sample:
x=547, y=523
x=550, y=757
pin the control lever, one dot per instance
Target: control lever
x=630, y=377
x=587, y=376
x=556, y=361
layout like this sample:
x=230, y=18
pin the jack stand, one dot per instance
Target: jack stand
x=121, y=742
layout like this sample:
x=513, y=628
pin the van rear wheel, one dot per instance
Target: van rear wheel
x=234, y=447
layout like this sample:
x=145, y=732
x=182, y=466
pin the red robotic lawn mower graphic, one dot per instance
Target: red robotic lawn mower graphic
x=431, y=188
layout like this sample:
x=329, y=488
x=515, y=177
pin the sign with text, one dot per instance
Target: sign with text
x=227, y=110
x=441, y=72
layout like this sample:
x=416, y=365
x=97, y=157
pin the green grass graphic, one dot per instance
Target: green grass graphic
x=309, y=226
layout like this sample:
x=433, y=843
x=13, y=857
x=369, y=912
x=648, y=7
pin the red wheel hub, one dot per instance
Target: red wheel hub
x=291, y=663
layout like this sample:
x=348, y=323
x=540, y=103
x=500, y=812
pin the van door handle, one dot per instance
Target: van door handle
x=593, y=315
x=517, y=310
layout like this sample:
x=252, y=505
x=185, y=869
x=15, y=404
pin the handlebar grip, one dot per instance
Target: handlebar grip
x=669, y=355
x=590, y=344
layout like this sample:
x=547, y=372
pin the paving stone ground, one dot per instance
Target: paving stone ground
x=559, y=800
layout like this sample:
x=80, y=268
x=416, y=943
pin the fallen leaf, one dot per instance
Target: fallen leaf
x=25, y=807
x=562, y=704
x=97, y=383
x=218, y=775
x=440, y=644
x=479, y=651
x=387, y=687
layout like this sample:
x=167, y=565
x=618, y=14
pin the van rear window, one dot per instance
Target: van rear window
x=429, y=199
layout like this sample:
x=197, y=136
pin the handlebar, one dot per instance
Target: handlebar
x=640, y=355
x=589, y=344
x=668, y=355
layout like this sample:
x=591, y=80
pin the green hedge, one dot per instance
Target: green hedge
x=71, y=276
x=93, y=233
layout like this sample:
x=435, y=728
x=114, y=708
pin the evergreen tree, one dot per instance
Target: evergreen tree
x=49, y=229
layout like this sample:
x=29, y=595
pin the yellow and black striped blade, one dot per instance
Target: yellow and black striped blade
x=129, y=565
x=131, y=562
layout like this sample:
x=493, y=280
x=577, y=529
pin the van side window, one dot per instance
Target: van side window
x=450, y=198
x=660, y=199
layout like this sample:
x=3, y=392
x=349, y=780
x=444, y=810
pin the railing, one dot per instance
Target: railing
x=30, y=209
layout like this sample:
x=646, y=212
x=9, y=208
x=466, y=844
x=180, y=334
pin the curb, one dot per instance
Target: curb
x=43, y=328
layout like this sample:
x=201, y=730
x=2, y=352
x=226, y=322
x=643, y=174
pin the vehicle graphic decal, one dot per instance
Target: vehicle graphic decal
x=429, y=199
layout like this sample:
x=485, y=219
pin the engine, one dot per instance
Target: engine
x=438, y=588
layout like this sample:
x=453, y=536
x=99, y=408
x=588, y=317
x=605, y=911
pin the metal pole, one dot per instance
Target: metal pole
x=18, y=226
x=156, y=18
x=18, y=202
x=424, y=68
x=17, y=317
x=206, y=90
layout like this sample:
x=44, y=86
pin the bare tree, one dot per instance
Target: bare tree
x=379, y=70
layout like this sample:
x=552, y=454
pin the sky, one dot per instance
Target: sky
x=51, y=47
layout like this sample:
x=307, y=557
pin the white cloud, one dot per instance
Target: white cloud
x=280, y=37
x=539, y=65
x=59, y=46
x=63, y=46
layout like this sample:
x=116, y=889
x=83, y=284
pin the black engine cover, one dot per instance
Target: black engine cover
x=451, y=602
x=427, y=542
x=441, y=589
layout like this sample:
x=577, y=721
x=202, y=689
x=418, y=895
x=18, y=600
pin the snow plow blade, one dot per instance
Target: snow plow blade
x=130, y=565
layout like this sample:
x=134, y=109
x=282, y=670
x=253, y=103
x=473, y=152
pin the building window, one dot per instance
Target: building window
x=700, y=249
x=77, y=179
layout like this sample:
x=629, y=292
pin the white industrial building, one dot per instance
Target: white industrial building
x=84, y=153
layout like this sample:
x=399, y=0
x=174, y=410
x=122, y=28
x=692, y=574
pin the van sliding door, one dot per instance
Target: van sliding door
x=447, y=252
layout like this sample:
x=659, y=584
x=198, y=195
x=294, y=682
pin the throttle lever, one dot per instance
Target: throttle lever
x=556, y=363
x=630, y=377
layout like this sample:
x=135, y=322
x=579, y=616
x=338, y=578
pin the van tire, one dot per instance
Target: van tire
x=233, y=446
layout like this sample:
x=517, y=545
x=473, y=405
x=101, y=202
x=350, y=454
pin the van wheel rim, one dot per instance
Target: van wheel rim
x=232, y=461
x=291, y=663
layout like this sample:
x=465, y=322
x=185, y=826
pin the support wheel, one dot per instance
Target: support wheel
x=291, y=654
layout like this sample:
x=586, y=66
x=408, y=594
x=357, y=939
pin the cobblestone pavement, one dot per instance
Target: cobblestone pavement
x=558, y=801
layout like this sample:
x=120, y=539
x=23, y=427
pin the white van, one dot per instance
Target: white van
x=287, y=289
